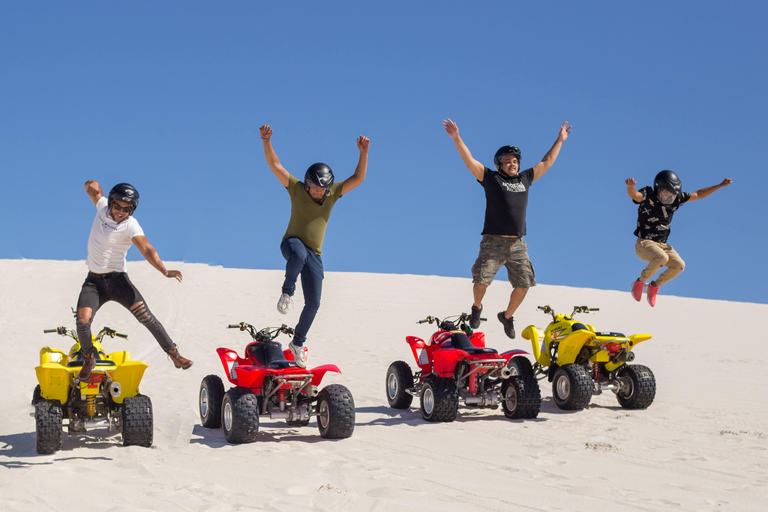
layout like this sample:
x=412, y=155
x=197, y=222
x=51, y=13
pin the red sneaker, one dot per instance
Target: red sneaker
x=651, y=295
x=637, y=290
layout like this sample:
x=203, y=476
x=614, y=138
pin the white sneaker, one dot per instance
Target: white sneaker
x=299, y=355
x=284, y=303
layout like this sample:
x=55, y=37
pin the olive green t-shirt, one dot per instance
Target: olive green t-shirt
x=308, y=218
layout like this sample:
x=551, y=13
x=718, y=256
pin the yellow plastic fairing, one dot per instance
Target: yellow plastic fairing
x=129, y=376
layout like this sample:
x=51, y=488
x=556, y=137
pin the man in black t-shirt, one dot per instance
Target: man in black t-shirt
x=506, y=196
x=657, y=205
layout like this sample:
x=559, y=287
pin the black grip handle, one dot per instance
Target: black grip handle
x=233, y=326
x=46, y=331
x=121, y=335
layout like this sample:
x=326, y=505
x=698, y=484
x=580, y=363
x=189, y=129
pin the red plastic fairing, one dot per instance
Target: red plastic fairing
x=320, y=371
x=509, y=354
x=446, y=359
x=250, y=376
x=230, y=360
x=422, y=353
x=478, y=339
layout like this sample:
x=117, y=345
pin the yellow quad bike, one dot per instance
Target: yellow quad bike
x=110, y=397
x=581, y=362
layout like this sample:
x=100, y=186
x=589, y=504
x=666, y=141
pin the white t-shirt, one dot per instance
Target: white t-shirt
x=110, y=241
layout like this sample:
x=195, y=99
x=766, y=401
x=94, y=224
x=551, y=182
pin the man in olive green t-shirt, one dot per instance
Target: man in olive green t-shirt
x=311, y=205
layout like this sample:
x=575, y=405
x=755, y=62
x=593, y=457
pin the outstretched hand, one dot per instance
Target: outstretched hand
x=173, y=274
x=726, y=182
x=451, y=128
x=565, y=131
x=265, y=131
x=630, y=182
x=363, y=143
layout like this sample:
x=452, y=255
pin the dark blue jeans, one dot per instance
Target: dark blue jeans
x=301, y=260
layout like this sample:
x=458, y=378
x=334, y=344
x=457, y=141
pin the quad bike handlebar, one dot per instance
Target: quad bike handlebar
x=105, y=331
x=450, y=323
x=576, y=309
x=266, y=334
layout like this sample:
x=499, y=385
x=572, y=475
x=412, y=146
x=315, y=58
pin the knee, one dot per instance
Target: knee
x=142, y=313
x=83, y=319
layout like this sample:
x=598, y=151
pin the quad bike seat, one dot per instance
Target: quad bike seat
x=100, y=360
x=611, y=334
x=269, y=355
x=459, y=340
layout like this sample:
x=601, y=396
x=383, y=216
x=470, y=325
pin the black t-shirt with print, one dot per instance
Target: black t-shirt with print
x=654, y=217
x=506, y=202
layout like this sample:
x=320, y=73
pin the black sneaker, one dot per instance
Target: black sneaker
x=509, y=325
x=474, y=318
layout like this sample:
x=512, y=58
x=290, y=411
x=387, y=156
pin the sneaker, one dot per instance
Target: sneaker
x=284, y=303
x=299, y=354
x=651, y=295
x=637, y=290
x=89, y=362
x=178, y=360
x=474, y=318
x=509, y=325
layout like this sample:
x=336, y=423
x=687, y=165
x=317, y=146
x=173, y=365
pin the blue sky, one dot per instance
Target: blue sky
x=169, y=97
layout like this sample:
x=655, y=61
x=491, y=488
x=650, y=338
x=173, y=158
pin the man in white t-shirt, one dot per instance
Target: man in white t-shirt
x=113, y=232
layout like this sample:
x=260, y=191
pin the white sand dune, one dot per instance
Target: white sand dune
x=702, y=445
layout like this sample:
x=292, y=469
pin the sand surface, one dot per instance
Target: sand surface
x=702, y=445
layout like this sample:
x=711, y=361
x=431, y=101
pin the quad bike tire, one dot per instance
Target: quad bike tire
x=209, y=400
x=137, y=421
x=439, y=399
x=399, y=378
x=637, y=386
x=36, y=395
x=521, y=397
x=335, y=412
x=48, y=427
x=523, y=366
x=240, y=415
x=572, y=387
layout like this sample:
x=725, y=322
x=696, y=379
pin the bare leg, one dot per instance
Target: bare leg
x=478, y=290
x=515, y=299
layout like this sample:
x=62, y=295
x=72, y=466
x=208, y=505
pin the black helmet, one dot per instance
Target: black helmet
x=667, y=180
x=319, y=175
x=123, y=192
x=502, y=152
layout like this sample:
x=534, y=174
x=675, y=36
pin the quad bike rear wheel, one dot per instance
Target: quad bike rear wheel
x=48, y=427
x=522, y=365
x=36, y=395
x=240, y=415
x=439, y=399
x=137, y=421
x=211, y=395
x=572, y=387
x=399, y=378
x=521, y=397
x=637, y=386
x=335, y=412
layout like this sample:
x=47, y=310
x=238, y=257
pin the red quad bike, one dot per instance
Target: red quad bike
x=268, y=382
x=455, y=365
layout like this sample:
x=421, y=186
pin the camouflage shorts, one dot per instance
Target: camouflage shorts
x=512, y=253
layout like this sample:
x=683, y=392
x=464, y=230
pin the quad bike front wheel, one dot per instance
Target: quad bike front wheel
x=439, y=399
x=240, y=415
x=399, y=378
x=521, y=397
x=522, y=365
x=209, y=400
x=36, y=395
x=637, y=386
x=48, y=427
x=572, y=387
x=335, y=412
x=137, y=421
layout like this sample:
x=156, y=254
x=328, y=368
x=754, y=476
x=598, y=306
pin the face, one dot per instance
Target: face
x=510, y=165
x=666, y=197
x=317, y=193
x=121, y=210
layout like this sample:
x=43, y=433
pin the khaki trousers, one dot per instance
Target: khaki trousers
x=658, y=255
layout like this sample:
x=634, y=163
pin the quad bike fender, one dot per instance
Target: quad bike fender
x=128, y=375
x=320, y=371
x=421, y=352
x=445, y=361
x=478, y=339
x=540, y=352
x=509, y=354
x=51, y=355
x=54, y=380
x=248, y=376
x=120, y=357
x=571, y=345
x=637, y=338
x=230, y=360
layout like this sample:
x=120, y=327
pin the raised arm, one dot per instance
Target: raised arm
x=93, y=189
x=632, y=191
x=704, y=192
x=362, y=166
x=269, y=153
x=149, y=252
x=549, y=159
x=476, y=168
